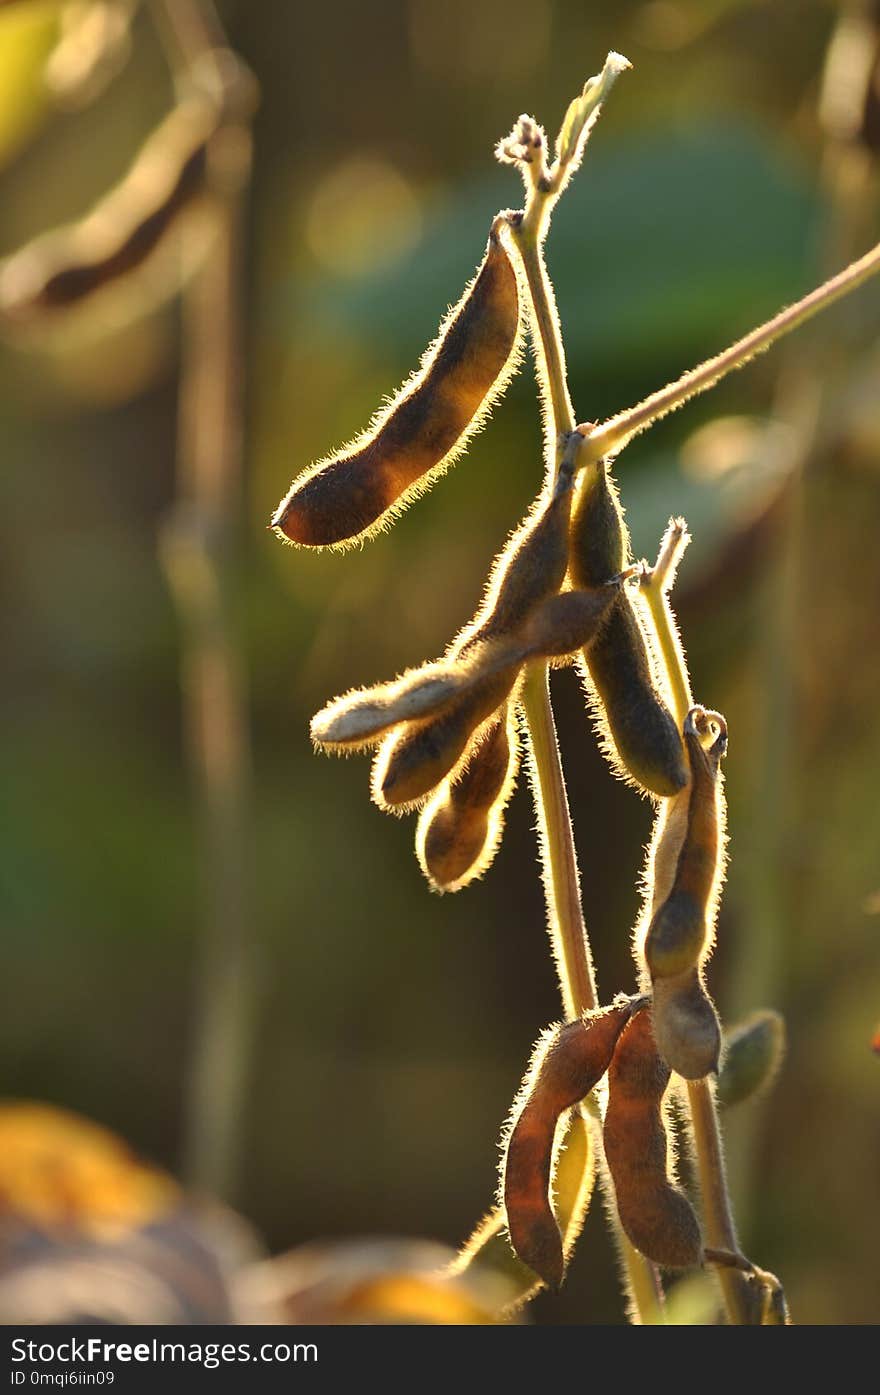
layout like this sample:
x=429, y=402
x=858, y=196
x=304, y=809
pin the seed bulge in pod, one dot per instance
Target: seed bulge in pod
x=686, y=1025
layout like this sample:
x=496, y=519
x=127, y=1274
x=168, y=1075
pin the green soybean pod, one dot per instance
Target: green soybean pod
x=353, y=493
x=460, y=828
x=752, y=1054
x=640, y=736
x=567, y=1063
x=655, y=1214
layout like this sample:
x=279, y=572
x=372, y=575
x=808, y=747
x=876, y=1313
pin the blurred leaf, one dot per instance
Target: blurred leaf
x=692, y=1302
x=89, y=1233
x=376, y=1281
x=60, y=1171
x=27, y=36
x=723, y=480
x=654, y=248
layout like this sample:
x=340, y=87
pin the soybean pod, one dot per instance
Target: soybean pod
x=488, y=1247
x=555, y=628
x=680, y=928
x=679, y=936
x=425, y=427
x=655, y=1214
x=530, y=568
x=415, y=758
x=753, y=1053
x=640, y=735
x=362, y=717
x=177, y=164
x=686, y=1025
x=568, y=1062
x=459, y=830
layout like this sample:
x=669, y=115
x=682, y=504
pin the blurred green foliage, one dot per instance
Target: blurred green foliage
x=394, y=1025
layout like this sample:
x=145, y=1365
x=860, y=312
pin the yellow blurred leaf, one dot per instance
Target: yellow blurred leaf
x=59, y=1171
x=28, y=33
x=375, y=1282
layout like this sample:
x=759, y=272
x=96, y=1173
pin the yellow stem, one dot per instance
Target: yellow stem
x=569, y=939
x=568, y=932
x=717, y=1212
x=546, y=339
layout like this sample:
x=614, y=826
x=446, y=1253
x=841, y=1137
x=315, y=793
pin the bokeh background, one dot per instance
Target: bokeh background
x=731, y=170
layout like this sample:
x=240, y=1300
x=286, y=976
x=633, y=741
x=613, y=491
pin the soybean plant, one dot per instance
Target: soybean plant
x=565, y=590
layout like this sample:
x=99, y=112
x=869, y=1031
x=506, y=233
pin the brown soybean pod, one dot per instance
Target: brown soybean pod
x=556, y=627
x=413, y=759
x=459, y=831
x=562, y=624
x=679, y=929
x=567, y=1064
x=362, y=717
x=686, y=1025
x=655, y=1214
x=62, y=268
x=529, y=570
x=643, y=739
x=425, y=427
x=488, y=1246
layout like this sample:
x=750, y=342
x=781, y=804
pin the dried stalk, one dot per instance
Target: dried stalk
x=199, y=550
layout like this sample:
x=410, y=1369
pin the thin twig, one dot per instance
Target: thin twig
x=656, y=583
x=611, y=436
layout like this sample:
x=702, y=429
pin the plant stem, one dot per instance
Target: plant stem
x=720, y=1227
x=656, y=583
x=549, y=353
x=568, y=933
x=198, y=551
x=611, y=436
x=708, y=1149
